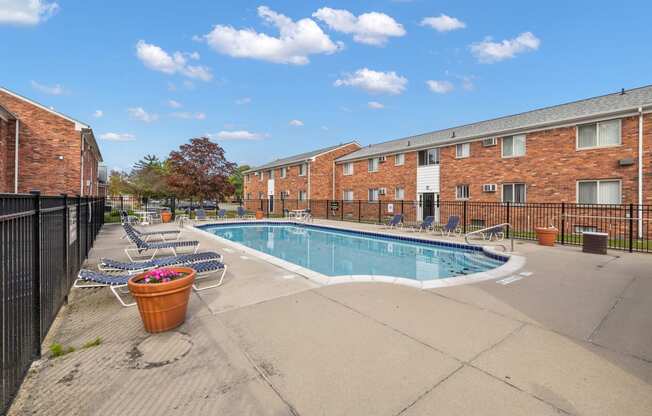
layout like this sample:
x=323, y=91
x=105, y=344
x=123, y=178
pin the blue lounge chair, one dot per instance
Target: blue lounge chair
x=396, y=221
x=143, y=246
x=147, y=234
x=425, y=225
x=242, y=213
x=451, y=226
x=117, y=283
x=200, y=215
x=221, y=214
x=496, y=233
x=108, y=265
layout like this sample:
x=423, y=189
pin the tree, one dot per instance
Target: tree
x=148, y=177
x=236, y=179
x=118, y=183
x=200, y=169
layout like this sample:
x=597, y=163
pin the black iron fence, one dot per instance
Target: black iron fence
x=628, y=225
x=43, y=242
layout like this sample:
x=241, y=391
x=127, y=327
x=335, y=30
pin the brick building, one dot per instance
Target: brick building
x=595, y=150
x=42, y=149
x=300, y=177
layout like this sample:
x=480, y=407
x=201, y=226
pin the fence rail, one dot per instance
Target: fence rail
x=629, y=226
x=43, y=242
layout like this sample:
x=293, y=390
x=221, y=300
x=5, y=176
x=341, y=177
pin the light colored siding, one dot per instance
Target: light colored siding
x=270, y=187
x=428, y=178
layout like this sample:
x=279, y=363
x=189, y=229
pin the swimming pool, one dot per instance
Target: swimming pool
x=337, y=252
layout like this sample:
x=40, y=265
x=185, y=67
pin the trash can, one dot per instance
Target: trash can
x=593, y=242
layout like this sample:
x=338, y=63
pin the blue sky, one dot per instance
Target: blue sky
x=270, y=79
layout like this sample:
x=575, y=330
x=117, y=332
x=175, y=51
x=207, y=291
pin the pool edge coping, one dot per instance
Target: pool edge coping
x=514, y=262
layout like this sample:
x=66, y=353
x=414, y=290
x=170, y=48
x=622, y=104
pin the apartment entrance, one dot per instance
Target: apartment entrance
x=428, y=205
x=271, y=203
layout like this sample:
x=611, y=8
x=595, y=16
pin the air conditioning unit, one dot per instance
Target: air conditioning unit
x=382, y=191
x=489, y=142
x=489, y=187
x=256, y=173
x=382, y=159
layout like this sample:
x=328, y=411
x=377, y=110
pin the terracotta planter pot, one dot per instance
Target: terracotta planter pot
x=546, y=236
x=163, y=306
x=260, y=215
x=166, y=216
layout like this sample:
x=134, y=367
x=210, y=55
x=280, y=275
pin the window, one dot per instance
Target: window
x=347, y=195
x=270, y=174
x=347, y=168
x=429, y=157
x=284, y=172
x=462, y=192
x=514, y=146
x=599, y=192
x=261, y=195
x=372, y=165
x=303, y=168
x=260, y=176
x=248, y=195
x=373, y=194
x=399, y=193
x=604, y=133
x=514, y=192
x=399, y=159
x=303, y=195
x=285, y=194
x=462, y=150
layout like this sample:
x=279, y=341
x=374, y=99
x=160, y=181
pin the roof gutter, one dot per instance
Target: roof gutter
x=633, y=111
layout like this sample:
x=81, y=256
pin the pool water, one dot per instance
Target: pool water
x=334, y=252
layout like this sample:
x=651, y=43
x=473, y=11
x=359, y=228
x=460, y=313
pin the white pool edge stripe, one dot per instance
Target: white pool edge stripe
x=513, y=263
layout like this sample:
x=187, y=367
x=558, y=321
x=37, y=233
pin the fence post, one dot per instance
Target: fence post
x=36, y=277
x=509, y=228
x=563, y=223
x=80, y=255
x=283, y=207
x=359, y=210
x=464, y=216
x=402, y=212
x=342, y=210
x=327, y=209
x=66, y=233
x=173, y=208
x=631, y=227
x=122, y=203
x=380, y=220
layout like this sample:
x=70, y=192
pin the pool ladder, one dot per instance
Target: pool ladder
x=503, y=225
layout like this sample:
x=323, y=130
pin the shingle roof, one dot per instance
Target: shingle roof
x=292, y=160
x=583, y=109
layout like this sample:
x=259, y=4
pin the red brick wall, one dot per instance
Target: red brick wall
x=550, y=167
x=44, y=137
x=388, y=176
x=5, y=137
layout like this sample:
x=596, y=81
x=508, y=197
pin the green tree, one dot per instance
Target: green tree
x=236, y=179
x=148, y=177
x=118, y=183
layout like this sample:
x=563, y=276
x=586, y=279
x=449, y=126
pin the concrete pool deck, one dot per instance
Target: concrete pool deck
x=569, y=333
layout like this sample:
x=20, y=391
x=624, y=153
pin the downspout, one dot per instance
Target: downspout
x=81, y=176
x=640, y=172
x=17, y=142
x=333, y=191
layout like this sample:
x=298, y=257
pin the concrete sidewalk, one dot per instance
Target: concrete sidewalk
x=571, y=334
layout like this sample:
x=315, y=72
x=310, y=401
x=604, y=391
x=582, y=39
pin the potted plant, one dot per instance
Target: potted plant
x=166, y=216
x=547, y=235
x=260, y=215
x=162, y=296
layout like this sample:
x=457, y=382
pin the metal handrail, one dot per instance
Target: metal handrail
x=505, y=224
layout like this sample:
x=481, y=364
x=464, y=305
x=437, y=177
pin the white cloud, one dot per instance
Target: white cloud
x=443, y=23
x=488, y=52
x=189, y=116
x=440, y=87
x=375, y=105
x=243, y=100
x=98, y=114
x=117, y=137
x=370, y=28
x=174, y=104
x=139, y=113
x=56, y=89
x=467, y=83
x=154, y=57
x=325, y=128
x=296, y=123
x=238, y=135
x=374, y=81
x=296, y=41
x=26, y=12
